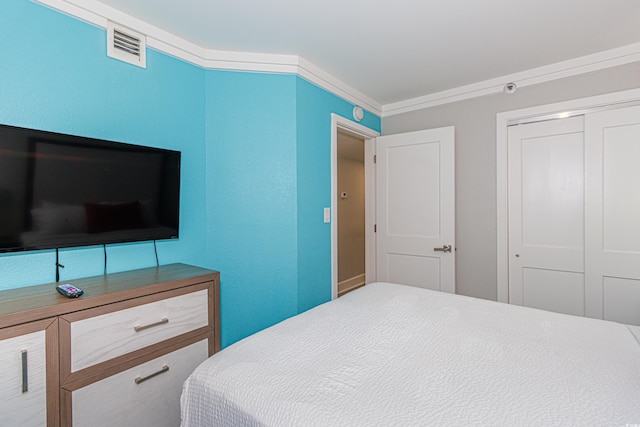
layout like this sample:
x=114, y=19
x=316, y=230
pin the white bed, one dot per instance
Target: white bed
x=390, y=354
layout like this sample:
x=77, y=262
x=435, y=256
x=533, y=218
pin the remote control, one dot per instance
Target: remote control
x=69, y=291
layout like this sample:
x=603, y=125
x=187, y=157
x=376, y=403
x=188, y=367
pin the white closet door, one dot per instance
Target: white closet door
x=415, y=212
x=612, y=155
x=546, y=215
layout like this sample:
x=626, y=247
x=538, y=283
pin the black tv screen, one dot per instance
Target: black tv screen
x=60, y=191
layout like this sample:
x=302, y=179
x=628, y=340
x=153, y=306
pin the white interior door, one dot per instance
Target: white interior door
x=546, y=215
x=613, y=215
x=415, y=209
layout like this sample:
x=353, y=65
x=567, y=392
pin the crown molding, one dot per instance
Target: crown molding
x=96, y=13
x=584, y=64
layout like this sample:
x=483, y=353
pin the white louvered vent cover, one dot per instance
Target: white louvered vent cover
x=126, y=45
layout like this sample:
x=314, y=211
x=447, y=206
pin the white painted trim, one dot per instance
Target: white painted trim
x=370, y=210
x=369, y=135
x=597, y=61
x=502, y=121
x=98, y=14
x=326, y=81
x=84, y=14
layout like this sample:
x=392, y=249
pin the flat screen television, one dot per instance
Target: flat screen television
x=59, y=191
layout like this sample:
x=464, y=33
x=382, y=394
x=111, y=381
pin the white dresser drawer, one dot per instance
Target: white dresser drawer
x=100, y=338
x=121, y=401
x=18, y=407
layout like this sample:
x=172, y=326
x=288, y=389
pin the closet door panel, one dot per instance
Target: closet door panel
x=621, y=173
x=546, y=215
x=620, y=300
x=612, y=215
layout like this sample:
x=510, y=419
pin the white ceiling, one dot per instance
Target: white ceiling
x=397, y=50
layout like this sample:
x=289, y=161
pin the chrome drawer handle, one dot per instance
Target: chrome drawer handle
x=25, y=376
x=164, y=369
x=142, y=328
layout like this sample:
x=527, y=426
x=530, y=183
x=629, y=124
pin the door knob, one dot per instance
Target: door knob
x=444, y=248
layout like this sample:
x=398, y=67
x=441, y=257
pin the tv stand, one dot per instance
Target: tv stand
x=118, y=355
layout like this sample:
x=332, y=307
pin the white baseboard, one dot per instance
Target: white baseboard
x=351, y=283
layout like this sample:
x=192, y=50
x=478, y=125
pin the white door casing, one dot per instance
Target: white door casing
x=339, y=122
x=612, y=165
x=415, y=209
x=546, y=215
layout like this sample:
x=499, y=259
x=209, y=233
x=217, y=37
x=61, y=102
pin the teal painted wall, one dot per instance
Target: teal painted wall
x=251, y=197
x=314, y=108
x=255, y=161
x=268, y=181
x=55, y=76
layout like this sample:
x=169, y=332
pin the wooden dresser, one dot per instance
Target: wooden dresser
x=118, y=355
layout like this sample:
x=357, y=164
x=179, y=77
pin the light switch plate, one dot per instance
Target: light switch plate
x=327, y=215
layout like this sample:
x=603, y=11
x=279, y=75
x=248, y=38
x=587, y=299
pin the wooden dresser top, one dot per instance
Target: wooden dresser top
x=38, y=302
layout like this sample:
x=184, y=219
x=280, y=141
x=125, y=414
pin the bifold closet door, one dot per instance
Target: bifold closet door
x=546, y=215
x=612, y=154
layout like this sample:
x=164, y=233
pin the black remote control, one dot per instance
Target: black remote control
x=69, y=291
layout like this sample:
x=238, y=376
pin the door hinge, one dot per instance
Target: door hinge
x=375, y=228
x=375, y=159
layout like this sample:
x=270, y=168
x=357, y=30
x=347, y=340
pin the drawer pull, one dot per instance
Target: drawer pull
x=138, y=380
x=25, y=376
x=151, y=325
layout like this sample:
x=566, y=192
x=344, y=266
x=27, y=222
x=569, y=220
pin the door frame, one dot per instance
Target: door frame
x=341, y=123
x=557, y=110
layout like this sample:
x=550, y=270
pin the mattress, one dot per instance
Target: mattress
x=390, y=354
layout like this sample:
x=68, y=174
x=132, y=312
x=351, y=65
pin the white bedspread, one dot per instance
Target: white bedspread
x=392, y=355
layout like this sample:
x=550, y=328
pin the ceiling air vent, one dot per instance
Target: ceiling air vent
x=126, y=45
